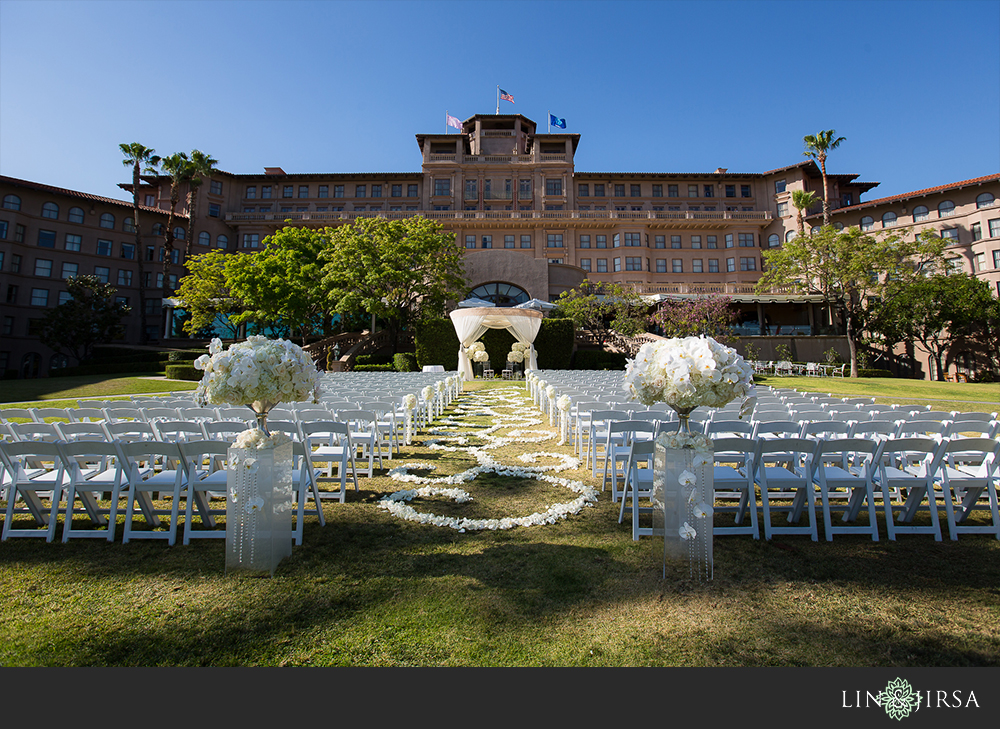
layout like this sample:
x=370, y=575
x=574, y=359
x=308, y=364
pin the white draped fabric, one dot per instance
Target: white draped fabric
x=470, y=324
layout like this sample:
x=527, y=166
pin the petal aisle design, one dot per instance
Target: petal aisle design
x=505, y=406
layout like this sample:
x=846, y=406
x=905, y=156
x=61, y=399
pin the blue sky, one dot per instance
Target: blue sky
x=650, y=86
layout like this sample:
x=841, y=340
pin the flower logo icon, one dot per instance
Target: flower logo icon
x=899, y=699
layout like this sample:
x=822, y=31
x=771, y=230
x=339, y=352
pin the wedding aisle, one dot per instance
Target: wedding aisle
x=489, y=463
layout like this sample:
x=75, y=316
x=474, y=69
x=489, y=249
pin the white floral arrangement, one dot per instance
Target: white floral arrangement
x=564, y=403
x=701, y=443
x=519, y=347
x=410, y=402
x=688, y=373
x=481, y=356
x=255, y=439
x=515, y=356
x=258, y=373
x=427, y=394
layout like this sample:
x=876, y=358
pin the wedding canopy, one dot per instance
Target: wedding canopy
x=471, y=323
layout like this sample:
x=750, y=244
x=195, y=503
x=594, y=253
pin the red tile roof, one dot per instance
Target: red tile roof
x=921, y=193
x=15, y=182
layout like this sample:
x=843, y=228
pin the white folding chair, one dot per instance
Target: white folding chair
x=35, y=431
x=86, y=415
x=44, y=415
x=598, y=433
x=781, y=474
x=128, y=430
x=70, y=432
x=638, y=484
x=733, y=474
x=224, y=430
x=152, y=414
x=37, y=472
x=904, y=471
x=148, y=470
x=205, y=468
x=967, y=469
x=94, y=469
x=617, y=446
x=329, y=442
x=178, y=431
x=366, y=436
x=304, y=486
x=845, y=465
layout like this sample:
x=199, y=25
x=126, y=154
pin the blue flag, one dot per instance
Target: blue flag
x=557, y=122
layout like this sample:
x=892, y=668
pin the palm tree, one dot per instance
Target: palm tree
x=202, y=166
x=180, y=170
x=802, y=201
x=817, y=147
x=141, y=159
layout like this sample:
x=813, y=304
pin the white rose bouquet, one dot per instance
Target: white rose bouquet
x=688, y=373
x=481, y=356
x=515, y=356
x=258, y=373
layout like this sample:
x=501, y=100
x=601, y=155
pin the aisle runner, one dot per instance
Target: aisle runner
x=506, y=408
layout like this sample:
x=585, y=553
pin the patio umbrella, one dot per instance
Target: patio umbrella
x=536, y=304
x=475, y=303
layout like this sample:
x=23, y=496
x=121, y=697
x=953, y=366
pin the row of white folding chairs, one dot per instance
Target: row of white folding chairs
x=75, y=477
x=852, y=428
x=798, y=476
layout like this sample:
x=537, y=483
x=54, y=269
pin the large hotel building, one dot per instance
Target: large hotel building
x=532, y=226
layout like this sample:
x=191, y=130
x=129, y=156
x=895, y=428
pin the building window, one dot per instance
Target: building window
x=214, y=210
x=204, y=238
x=215, y=187
x=730, y=190
x=15, y=263
x=950, y=235
x=745, y=191
x=633, y=240
x=584, y=241
x=442, y=188
x=977, y=231
x=617, y=263
x=790, y=236
x=729, y=240
x=633, y=263
x=395, y=190
x=75, y=215
x=553, y=187
x=128, y=251
x=602, y=265
x=748, y=264
x=50, y=210
x=8, y=326
x=657, y=190
x=659, y=241
x=696, y=241
x=124, y=277
x=251, y=193
x=888, y=219
x=955, y=265
x=773, y=240
x=508, y=241
x=635, y=190
x=470, y=241
x=64, y=297
x=980, y=261
x=179, y=233
x=711, y=241
x=675, y=241
x=11, y=202
x=251, y=240
x=583, y=190
x=47, y=238
x=585, y=263
x=730, y=264
x=619, y=190
x=661, y=265
x=602, y=241
x=287, y=190
x=376, y=191
x=11, y=294
x=19, y=233
x=673, y=191
x=104, y=247
x=487, y=241
x=782, y=209
x=555, y=240
x=411, y=191
x=696, y=265
x=946, y=208
x=43, y=267
x=107, y=221
x=303, y=190
x=779, y=186
x=526, y=241
x=360, y=191
x=996, y=259
x=920, y=213
x=692, y=191
x=39, y=297
x=70, y=270
x=102, y=273
x=994, y=228
x=709, y=190
x=746, y=240
x=867, y=223
x=985, y=200
x=677, y=265
x=222, y=241
x=128, y=225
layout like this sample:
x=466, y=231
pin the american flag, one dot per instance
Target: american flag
x=504, y=96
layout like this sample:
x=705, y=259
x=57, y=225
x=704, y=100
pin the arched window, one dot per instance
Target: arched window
x=946, y=208
x=790, y=236
x=222, y=241
x=50, y=210
x=178, y=233
x=107, y=220
x=11, y=202
x=867, y=223
x=838, y=225
x=501, y=294
x=920, y=213
x=75, y=215
x=888, y=220
x=157, y=228
x=204, y=238
x=128, y=225
x=773, y=240
x=985, y=200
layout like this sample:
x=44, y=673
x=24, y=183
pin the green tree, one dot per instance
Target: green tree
x=818, y=146
x=712, y=316
x=205, y=293
x=282, y=284
x=90, y=317
x=802, y=201
x=140, y=159
x=401, y=271
x=180, y=170
x=202, y=166
x=937, y=311
x=604, y=307
x=848, y=268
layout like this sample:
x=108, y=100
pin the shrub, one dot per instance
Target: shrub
x=436, y=344
x=985, y=376
x=554, y=344
x=405, y=362
x=379, y=358
x=187, y=355
x=596, y=359
x=874, y=373
x=498, y=343
x=183, y=372
x=373, y=368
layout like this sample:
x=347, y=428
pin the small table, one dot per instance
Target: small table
x=433, y=368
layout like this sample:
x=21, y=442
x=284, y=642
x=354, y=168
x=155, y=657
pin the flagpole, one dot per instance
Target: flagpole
x=498, y=99
x=549, y=115
x=445, y=121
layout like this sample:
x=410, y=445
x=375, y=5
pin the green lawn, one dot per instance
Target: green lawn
x=369, y=589
x=69, y=389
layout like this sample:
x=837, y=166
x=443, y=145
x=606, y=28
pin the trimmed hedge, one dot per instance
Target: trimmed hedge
x=873, y=373
x=598, y=359
x=554, y=344
x=183, y=372
x=436, y=344
x=498, y=343
x=187, y=355
x=405, y=362
x=373, y=368
x=378, y=358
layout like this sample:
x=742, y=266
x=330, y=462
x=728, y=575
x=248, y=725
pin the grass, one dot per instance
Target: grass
x=369, y=589
x=43, y=390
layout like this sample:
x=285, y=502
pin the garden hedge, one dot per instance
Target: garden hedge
x=598, y=359
x=436, y=344
x=405, y=362
x=183, y=372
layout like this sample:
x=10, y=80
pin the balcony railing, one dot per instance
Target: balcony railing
x=442, y=158
x=759, y=216
x=498, y=195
